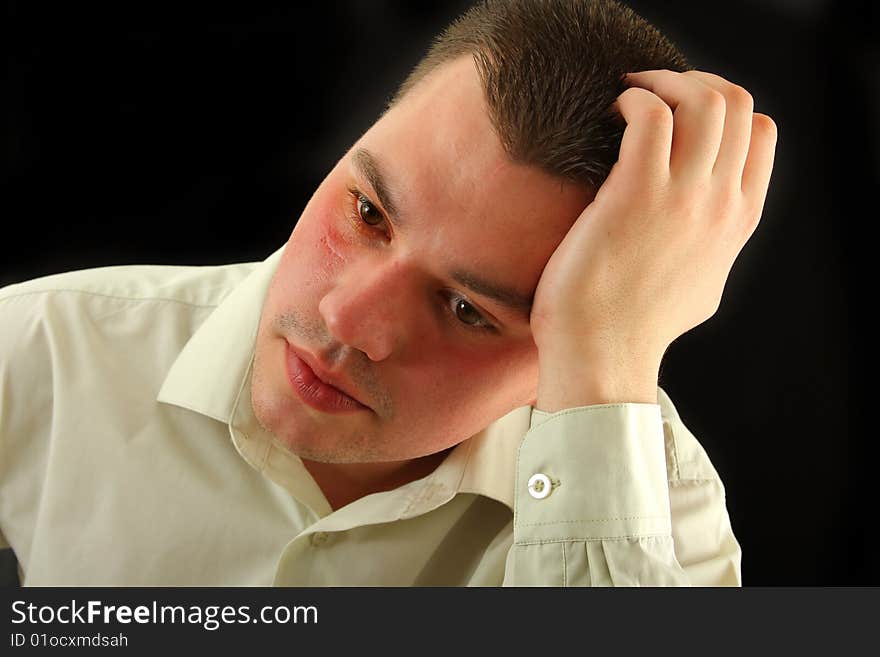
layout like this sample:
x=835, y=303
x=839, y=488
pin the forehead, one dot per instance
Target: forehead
x=453, y=183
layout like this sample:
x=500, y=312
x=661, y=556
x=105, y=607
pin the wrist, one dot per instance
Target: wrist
x=583, y=377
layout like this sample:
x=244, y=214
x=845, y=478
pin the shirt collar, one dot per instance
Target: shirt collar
x=489, y=458
x=208, y=375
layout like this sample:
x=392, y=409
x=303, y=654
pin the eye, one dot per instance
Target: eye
x=466, y=313
x=368, y=212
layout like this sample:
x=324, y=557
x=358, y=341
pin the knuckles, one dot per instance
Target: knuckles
x=739, y=99
x=658, y=115
x=651, y=107
x=713, y=101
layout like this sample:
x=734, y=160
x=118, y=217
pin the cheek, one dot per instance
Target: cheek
x=486, y=378
x=512, y=377
x=328, y=230
x=317, y=247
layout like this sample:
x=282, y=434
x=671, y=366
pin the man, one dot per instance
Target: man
x=447, y=376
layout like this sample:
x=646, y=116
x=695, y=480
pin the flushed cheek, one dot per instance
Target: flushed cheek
x=484, y=378
x=320, y=248
x=326, y=219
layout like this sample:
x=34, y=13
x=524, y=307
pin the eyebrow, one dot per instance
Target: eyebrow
x=512, y=299
x=521, y=304
x=369, y=168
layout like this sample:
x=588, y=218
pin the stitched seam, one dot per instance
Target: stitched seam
x=694, y=481
x=591, y=539
x=111, y=296
x=419, y=496
x=561, y=522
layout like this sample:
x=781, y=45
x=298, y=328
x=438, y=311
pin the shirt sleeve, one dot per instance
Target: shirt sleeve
x=618, y=495
x=26, y=410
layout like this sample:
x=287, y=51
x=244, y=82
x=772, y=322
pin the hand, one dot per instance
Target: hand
x=648, y=259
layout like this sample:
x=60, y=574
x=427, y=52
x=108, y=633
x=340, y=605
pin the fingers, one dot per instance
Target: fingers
x=714, y=133
x=737, y=133
x=647, y=138
x=759, y=162
x=698, y=113
x=748, y=145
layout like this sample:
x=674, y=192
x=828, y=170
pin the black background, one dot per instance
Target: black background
x=196, y=134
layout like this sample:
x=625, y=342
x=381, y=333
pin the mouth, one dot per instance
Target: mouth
x=317, y=387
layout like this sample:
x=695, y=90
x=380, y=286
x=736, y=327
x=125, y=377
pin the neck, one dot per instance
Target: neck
x=343, y=483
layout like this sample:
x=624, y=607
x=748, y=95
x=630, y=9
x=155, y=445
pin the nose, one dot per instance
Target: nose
x=366, y=306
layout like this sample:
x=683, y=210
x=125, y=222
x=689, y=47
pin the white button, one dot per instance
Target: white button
x=319, y=538
x=539, y=486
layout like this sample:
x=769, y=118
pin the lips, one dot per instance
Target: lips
x=316, y=387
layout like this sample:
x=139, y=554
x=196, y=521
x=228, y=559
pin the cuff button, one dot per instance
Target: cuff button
x=539, y=486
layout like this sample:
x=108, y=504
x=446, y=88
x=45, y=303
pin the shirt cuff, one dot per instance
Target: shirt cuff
x=606, y=466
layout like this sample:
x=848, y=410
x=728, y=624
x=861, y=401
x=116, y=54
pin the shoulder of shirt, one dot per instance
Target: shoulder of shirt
x=195, y=285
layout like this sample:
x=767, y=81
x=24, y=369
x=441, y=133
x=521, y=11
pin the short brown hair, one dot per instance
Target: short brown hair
x=551, y=70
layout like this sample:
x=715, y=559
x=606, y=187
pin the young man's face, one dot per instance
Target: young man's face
x=410, y=294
